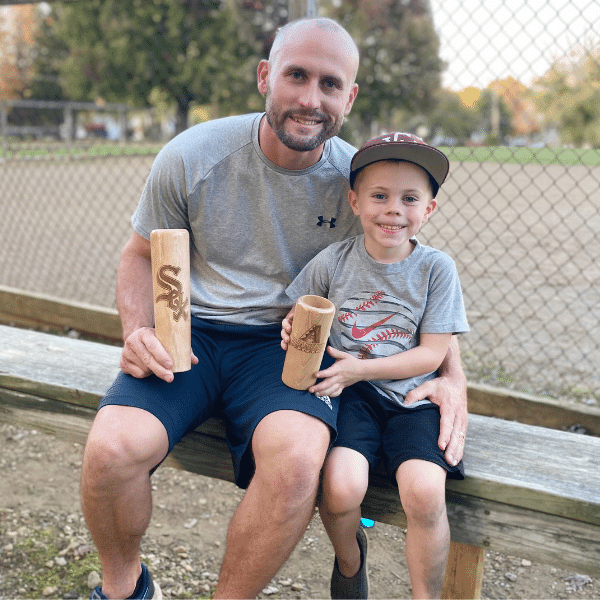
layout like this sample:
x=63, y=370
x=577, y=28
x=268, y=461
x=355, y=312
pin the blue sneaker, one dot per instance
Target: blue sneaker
x=145, y=588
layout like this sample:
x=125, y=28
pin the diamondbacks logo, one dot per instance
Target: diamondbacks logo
x=174, y=296
x=375, y=324
x=309, y=341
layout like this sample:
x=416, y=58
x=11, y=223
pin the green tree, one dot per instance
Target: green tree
x=452, y=119
x=133, y=50
x=400, y=68
x=569, y=96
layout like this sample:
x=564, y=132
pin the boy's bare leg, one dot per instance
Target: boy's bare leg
x=345, y=482
x=124, y=444
x=422, y=493
x=289, y=450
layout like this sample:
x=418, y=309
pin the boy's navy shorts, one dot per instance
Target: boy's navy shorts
x=379, y=429
x=238, y=376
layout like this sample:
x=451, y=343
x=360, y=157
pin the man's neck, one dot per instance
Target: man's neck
x=282, y=156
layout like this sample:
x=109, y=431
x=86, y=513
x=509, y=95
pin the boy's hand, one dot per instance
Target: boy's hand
x=286, y=328
x=344, y=372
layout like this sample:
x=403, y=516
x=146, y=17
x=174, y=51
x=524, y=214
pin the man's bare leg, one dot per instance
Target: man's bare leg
x=124, y=444
x=422, y=492
x=289, y=450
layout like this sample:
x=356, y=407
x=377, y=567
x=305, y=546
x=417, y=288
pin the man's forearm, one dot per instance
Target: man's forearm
x=134, y=293
x=451, y=365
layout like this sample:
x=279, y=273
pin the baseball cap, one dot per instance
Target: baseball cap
x=402, y=146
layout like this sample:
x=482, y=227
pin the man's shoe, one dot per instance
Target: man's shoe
x=145, y=588
x=352, y=587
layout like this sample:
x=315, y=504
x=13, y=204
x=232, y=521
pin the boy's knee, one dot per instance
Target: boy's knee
x=423, y=501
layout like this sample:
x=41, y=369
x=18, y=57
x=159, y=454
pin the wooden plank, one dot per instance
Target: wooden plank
x=464, y=571
x=29, y=309
x=533, y=410
x=473, y=521
x=35, y=310
x=505, y=461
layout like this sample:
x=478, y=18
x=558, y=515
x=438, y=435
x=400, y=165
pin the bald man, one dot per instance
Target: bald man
x=261, y=194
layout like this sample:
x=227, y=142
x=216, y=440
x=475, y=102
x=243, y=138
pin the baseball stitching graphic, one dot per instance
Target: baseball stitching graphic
x=376, y=324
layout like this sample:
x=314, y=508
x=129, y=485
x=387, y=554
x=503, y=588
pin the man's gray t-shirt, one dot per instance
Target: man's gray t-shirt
x=253, y=225
x=381, y=309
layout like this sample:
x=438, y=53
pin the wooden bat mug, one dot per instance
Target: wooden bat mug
x=310, y=330
x=170, y=255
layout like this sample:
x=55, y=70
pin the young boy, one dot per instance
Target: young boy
x=398, y=304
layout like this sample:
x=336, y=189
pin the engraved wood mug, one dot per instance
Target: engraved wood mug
x=310, y=330
x=170, y=256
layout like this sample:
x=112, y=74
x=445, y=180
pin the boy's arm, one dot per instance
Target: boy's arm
x=424, y=358
x=449, y=392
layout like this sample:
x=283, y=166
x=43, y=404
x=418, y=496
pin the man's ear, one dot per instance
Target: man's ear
x=262, y=74
x=351, y=98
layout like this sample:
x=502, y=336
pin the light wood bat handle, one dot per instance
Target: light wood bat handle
x=170, y=253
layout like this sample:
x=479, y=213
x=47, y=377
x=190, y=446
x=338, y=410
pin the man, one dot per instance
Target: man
x=261, y=195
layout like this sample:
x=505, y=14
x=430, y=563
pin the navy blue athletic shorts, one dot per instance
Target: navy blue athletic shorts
x=238, y=376
x=381, y=430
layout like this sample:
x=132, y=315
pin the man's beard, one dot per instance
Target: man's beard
x=277, y=121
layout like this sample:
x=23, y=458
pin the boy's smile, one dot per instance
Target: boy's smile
x=393, y=199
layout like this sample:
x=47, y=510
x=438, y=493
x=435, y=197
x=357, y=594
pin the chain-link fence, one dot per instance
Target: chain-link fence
x=521, y=217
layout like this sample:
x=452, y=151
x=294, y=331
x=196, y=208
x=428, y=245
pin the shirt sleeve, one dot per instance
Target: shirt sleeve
x=445, y=310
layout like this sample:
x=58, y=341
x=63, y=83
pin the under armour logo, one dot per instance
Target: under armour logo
x=323, y=220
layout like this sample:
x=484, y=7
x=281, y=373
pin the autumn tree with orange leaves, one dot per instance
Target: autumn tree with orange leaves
x=18, y=27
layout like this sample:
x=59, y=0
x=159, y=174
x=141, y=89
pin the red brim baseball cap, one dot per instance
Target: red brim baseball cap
x=402, y=146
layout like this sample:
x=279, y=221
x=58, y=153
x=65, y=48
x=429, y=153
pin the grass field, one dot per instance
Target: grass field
x=481, y=154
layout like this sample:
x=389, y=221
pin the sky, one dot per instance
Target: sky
x=484, y=40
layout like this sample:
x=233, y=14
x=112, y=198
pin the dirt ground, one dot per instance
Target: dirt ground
x=46, y=551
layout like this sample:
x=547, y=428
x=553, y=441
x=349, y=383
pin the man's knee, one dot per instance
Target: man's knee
x=123, y=440
x=289, y=450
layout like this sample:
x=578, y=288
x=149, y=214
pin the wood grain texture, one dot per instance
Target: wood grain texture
x=171, y=290
x=529, y=491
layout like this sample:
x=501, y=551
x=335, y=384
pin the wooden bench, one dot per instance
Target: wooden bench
x=530, y=491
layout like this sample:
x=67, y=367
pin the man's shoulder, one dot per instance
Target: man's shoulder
x=340, y=155
x=204, y=145
x=229, y=131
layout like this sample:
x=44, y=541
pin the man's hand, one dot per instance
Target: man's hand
x=143, y=354
x=286, y=328
x=449, y=392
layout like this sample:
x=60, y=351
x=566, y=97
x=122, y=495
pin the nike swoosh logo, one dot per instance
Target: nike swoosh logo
x=360, y=332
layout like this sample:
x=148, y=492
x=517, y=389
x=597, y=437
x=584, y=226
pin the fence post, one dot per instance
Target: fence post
x=122, y=124
x=69, y=125
x=298, y=9
x=3, y=125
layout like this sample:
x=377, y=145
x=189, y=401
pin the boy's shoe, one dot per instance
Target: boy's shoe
x=352, y=587
x=145, y=588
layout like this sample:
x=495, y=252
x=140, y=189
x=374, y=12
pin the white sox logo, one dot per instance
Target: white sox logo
x=174, y=296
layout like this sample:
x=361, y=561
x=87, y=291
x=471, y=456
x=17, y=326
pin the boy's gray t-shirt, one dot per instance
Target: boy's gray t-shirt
x=253, y=225
x=382, y=308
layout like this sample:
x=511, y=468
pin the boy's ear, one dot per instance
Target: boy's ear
x=430, y=208
x=353, y=200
